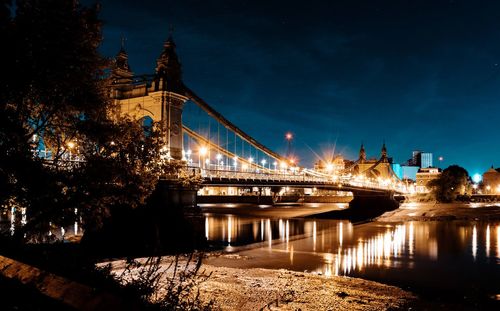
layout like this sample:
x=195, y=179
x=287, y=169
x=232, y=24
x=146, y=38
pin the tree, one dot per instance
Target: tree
x=53, y=93
x=452, y=182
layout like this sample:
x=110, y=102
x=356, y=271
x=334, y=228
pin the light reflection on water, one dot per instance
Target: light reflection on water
x=446, y=253
x=13, y=218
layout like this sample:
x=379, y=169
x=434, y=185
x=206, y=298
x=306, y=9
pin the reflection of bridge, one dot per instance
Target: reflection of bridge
x=223, y=153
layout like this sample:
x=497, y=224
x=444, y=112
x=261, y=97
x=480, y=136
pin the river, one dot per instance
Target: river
x=436, y=258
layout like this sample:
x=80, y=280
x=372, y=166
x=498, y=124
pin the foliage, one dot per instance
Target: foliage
x=54, y=94
x=452, y=182
x=171, y=287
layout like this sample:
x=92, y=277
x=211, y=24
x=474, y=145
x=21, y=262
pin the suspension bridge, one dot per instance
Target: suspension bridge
x=213, y=146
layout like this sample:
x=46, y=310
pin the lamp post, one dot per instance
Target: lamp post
x=289, y=137
x=219, y=158
x=235, y=160
x=201, y=154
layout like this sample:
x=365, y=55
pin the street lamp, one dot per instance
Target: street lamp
x=218, y=157
x=235, y=161
x=289, y=137
x=201, y=153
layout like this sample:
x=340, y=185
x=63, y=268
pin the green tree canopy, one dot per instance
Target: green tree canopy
x=452, y=182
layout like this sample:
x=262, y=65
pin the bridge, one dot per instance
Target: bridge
x=219, y=150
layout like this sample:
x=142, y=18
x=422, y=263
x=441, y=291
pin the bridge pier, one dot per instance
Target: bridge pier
x=170, y=222
x=365, y=205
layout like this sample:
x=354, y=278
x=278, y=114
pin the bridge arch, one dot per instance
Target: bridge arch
x=147, y=124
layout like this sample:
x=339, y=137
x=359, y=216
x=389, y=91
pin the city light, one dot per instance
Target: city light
x=289, y=136
x=329, y=167
x=203, y=151
x=476, y=178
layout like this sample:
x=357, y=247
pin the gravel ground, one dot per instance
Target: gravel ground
x=263, y=289
x=266, y=289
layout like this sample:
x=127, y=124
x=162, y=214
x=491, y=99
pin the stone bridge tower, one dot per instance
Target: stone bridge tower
x=160, y=98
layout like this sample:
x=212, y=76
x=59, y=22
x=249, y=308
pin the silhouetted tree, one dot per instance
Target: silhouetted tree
x=452, y=182
x=54, y=93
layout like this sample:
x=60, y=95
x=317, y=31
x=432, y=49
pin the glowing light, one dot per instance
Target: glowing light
x=71, y=145
x=488, y=241
x=329, y=167
x=203, y=151
x=263, y=162
x=289, y=136
x=218, y=156
x=474, y=242
x=476, y=178
x=250, y=160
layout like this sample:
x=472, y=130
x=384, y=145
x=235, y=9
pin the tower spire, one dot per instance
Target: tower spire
x=362, y=153
x=168, y=68
x=121, y=72
x=383, y=154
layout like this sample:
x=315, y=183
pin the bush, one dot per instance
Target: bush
x=173, y=286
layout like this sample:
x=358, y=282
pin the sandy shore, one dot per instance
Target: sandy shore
x=442, y=211
x=265, y=289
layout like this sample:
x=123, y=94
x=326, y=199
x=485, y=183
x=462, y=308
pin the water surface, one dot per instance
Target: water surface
x=441, y=258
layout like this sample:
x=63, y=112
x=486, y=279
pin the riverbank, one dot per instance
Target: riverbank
x=257, y=289
x=442, y=211
x=270, y=289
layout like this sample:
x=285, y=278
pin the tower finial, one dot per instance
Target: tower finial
x=362, y=153
x=384, y=151
x=171, y=30
x=122, y=43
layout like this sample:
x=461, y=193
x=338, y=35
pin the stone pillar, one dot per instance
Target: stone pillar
x=172, y=119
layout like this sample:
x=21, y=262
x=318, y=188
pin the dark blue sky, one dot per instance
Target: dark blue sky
x=419, y=74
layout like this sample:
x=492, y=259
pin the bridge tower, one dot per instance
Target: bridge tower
x=161, y=99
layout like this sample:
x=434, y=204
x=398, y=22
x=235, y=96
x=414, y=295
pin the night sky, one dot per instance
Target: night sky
x=420, y=75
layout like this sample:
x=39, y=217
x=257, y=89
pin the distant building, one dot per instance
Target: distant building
x=409, y=171
x=374, y=168
x=420, y=159
x=491, y=181
x=334, y=165
x=396, y=167
x=424, y=176
x=425, y=159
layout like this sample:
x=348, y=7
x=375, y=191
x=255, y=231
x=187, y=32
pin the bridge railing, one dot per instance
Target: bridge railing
x=278, y=176
x=288, y=176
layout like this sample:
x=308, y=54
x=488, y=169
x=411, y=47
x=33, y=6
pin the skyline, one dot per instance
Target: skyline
x=331, y=62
